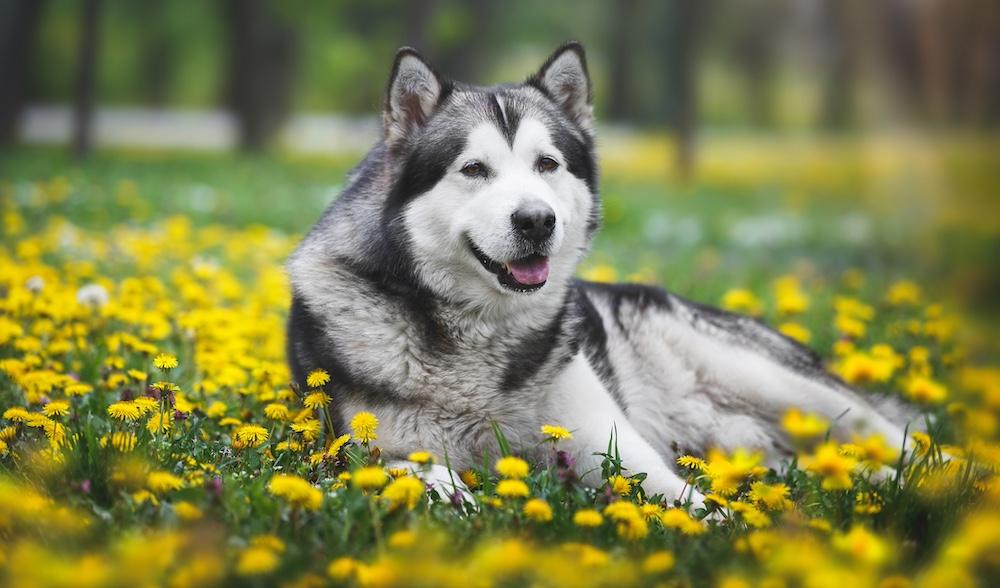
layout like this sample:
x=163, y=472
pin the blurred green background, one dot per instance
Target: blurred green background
x=739, y=140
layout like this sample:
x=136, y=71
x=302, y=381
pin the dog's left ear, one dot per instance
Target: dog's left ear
x=414, y=92
x=565, y=80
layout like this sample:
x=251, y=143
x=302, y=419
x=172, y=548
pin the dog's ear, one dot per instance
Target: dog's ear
x=413, y=94
x=565, y=80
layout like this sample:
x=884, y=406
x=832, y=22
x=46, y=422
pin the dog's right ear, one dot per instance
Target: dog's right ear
x=414, y=91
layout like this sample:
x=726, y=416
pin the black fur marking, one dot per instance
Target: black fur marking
x=507, y=119
x=533, y=352
x=594, y=338
x=423, y=168
x=640, y=296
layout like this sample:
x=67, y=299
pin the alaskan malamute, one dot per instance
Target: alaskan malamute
x=438, y=292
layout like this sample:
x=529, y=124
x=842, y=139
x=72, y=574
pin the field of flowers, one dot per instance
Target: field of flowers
x=149, y=434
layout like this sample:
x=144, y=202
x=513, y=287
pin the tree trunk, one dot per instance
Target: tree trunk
x=684, y=33
x=86, y=79
x=20, y=20
x=623, y=30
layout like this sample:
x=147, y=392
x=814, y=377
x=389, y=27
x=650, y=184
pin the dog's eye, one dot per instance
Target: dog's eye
x=546, y=164
x=474, y=169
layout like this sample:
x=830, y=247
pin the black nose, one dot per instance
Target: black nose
x=534, y=222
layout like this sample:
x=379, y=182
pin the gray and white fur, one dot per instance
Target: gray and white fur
x=438, y=292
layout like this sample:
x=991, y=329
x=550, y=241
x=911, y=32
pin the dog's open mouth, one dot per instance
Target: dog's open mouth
x=526, y=274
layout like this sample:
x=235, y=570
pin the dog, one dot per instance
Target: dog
x=437, y=291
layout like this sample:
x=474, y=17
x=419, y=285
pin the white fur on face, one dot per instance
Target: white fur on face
x=480, y=208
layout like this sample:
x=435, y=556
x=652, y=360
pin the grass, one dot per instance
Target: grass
x=186, y=253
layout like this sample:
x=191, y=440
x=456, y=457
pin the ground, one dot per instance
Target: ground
x=150, y=436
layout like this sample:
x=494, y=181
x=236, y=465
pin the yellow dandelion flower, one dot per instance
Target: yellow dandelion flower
x=160, y=422
x=165, y=361
x=186, y=511
x=727, y=472
x=251, y=436
x=512, y=489
x=78, y=389
x=773, y=496
x=16, y=414
x=925, y=390
x=316, y=400
x=538, y=510
x=317, y=378
x=691, y=462
x=658, y=562
x=369, y=478
x=138, y=376
x=675, y=518
x=161, y=482
x=405, y=491
x=257, y=561
x=296, y=491
x=803, y=426
x=276, y=411
x=334, y=449
x=268, y=541
x=469, y=478
x=56, y=408
x=309, y=428
x=125, y=411
x=556, y=433
x=342, y=568
x=421, y=457
x=742, y=301
x=146, y=404
x=512, y=467
x=620, y=485
x=364, y=427
x=587, y=517
x=829, y=462
x=795, y=331
x=862, y=545
x=903, y=293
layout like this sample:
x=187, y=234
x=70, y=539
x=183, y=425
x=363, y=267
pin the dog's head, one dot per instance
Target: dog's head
x=494, y=188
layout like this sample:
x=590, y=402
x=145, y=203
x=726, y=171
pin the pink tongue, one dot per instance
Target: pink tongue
x=531, y=271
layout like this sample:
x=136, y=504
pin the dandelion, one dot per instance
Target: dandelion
x=257, y=561
x=316, y=400
x=186, y=511
x=369, y=478
x=795, y=331
x=78, y=389
x=587, y=517
x=556, y=433
x=364, y=426
x=123, y=441
x=296, y=491
x=903, y=293
x=404, y=539
x=512, y=489
x=308, y=428
x=658, y=562
x=165, y=362
x=342, y=568
x=832, y=465
x=675, y=518
x=728, y=472
x=772, y=496
x=512, y=467
x=251, y=436
x=692, y=463
x=317, y=378
x=405, y=491
x=334, y=449
x=421, y=457
x=16, y=414
x=925, y=390
x=137, y=375
x=56, y=408
x=125, y=411
x=873, y=450
x=160, y=422
x=538, y=510
x=469, y=478
x=742, y=301
x=161, y=482
x=620, y=485
x=862, y=545
x=804, y=425
x=276, y=411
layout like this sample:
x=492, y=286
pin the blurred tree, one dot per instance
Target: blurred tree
x=623, y=24
x=843, y=38
x=156, y=58
x=683, y=35
x=86, y=75
x=755, y=41
x=263, y=56
x=417, y=15
x=19, y=20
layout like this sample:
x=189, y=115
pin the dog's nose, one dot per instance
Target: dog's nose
x=535, y=222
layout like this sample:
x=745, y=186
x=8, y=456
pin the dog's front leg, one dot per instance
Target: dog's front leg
x=582, y=404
